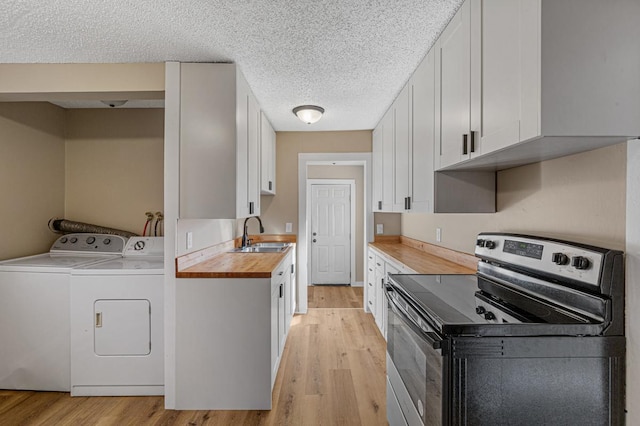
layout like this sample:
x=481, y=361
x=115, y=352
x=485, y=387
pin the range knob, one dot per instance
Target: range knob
x=580, y=262
x=480, y=310
x=91, y=240
x=559, y=258
x=489, y=316
x=490, y=244
x=73, y=240
x=480, y=243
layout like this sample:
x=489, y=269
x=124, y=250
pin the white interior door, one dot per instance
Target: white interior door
x=330, y=234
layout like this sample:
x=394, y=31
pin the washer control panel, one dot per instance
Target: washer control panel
x=89, y=243
x=144, y=246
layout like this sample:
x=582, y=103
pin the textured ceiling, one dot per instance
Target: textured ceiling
x=350, y=57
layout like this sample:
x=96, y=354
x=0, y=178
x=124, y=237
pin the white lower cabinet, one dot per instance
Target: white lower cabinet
x=230, y=334
x=379, y=266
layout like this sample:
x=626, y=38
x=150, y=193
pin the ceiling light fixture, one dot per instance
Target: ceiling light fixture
x=308, y=113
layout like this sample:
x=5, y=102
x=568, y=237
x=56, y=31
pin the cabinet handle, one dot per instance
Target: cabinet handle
x=280, y=291
x=408, y=203
x=270, y=185
x=370, y=285
x=281, y=272
x=98, y=319
x=250, y=207
x=473, y=141
x=292, y=270
x=379, y=205
x=370, y=302
x=464, y=144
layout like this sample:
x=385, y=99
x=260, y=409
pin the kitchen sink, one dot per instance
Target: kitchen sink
x=270, y=244
x=260, y=249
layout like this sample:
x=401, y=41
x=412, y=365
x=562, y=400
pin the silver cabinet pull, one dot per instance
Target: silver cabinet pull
x=98, y=319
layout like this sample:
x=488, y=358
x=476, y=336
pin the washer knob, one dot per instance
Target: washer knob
x=73, y=240
x=139, y=245
x=489, y=316
x=91, y=240
x=106, y=241
x=64, y=240
x=580, y=262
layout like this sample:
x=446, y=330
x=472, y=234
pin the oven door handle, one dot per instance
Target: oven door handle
x=428, y=336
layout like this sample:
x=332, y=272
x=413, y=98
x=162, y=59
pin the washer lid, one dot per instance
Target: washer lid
x=53, y=261
x=142, y=264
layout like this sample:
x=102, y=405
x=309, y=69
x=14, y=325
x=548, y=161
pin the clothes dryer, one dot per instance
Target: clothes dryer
x=117, y=333
x=34, y=310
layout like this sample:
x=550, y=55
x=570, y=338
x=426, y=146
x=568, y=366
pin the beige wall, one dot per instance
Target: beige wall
x=578, y=198
x=355, y=173
x=283, y=207
x=114, y=166
x=391, y=223
x=41, y=82
x=31, y=176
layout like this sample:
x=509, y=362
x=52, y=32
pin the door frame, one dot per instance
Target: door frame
x=352, y=238
x=321, y=159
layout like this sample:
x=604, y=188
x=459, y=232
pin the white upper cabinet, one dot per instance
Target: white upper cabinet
x=219, y=121
x=547, y=78
x=422, y=101
x=401, y=150
x=248, y=149
x=387, y=160
x=377, y=173
x=267, y=157
x=453, y=50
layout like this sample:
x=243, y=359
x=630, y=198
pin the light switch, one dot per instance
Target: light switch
x=288, y=227
x=189, y=240
x=438, y=234
x=379, y=228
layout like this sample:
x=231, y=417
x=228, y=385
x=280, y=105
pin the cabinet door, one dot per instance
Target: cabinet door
x=253, y=161
x=275, y=343
x=387, y=161
x=401, y=147
x=122, y=327
x=377, y=173
x=453, y=57
x=499, y=36
x=423, y=103
x=288, y=303
x=379, y=294
x=282, y=332
x=267, y=157
x=242, y=147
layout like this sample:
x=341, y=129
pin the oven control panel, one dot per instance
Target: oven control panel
x=565, y=260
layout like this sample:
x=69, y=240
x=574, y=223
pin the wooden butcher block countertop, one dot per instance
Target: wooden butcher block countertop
x=426, y=258
x=218, y=262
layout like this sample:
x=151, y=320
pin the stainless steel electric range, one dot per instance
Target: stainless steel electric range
x=535, y=337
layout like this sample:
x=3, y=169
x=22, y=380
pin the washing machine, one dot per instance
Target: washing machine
x=117, y=333
x=34, y=310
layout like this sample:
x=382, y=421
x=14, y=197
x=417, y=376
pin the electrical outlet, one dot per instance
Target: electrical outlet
x=288, y=227
x=379, y=228
x=438, y=234
x=189, y=240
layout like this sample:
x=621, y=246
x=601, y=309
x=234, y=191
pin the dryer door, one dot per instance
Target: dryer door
x=122, y=327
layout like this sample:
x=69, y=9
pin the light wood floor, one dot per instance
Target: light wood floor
x=332, y=373
x=332, y=296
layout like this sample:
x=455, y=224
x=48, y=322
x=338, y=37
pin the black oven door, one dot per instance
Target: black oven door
x=416, y=370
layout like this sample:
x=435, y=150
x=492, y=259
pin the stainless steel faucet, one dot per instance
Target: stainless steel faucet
x=245, y=236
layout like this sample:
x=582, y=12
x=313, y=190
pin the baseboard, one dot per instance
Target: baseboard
x=357, y=284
